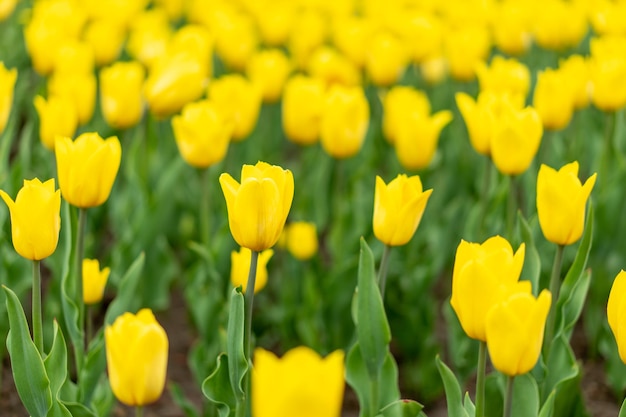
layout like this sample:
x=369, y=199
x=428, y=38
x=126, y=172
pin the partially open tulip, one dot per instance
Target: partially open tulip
x=259, y=205
x=398, y=103
x=202, y=133
x=417, y=138
x=87, y=168
x=561, y=202
x=35, y=218
x=281, y=387
x=553, y=99
x=616, y=312
x=80, y=88
x=504, y=76
x=269, y=69
x=136, y=352
x=302, y=107
x=301, y=240
x=515, y=331
x=484, y=275
x=120, y=94
x=7, y=86
x=240, y=268
x=398, y=208
x=57, y=117
x=94, y=280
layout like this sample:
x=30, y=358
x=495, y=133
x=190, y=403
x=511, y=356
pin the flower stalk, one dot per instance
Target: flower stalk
x=37, y=319
x=382, y=272
x=555, y=287
x=480, y=379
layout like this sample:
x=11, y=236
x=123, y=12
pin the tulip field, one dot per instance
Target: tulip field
x=312, y=208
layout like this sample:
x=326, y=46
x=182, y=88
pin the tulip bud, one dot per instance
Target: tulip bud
x=7, y=86
x=136, y=352
x=554, y=99
x=269, y=70
x=94, y=281
x=417, y=138
x=35, y=219
x=616, y=312
x=120, y=94
x=80, y=88
x=301, y=240
x=240, y=268
x=302, y=106
x=504, y=76
x=398, y=104
x=57, y=117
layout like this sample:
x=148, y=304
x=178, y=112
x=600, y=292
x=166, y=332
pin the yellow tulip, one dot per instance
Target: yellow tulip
x=240, y=268
x=94, y=280
x=398, y=208
x=351, y=35
x=417, y=138
x=35, y=218
x=57, y=117
x=6, y=8
x=575, y=69
x=561, y=24
x=195, y=40
x=236, y=38
x=386, y=59
x=149, y=36
x=122, y=12
x=553, y=99
x=269, y=69
x=80, y=88
x=607, y=18
x=301, y=383
x=136, y=352
x=484, y=275
x=87, y=168
x=310, y=30
x=399, y=102
x=301, y=240
x=329, y=65
x=7, y=86
x=616, y=312
x=344, y=121
x=515, y=332
x=275, y=21
x=422, y=33
x=504, y=76
x=511, y=31
x=174, y=8
x=258, y=207
x=106, y=39
x=120, y=94
x=608, y=93
x=434, y=70
x=561, y=202
x=74, y=57
x=464, y=48
x=302, y=108
x=202, y=133
x=240, y=101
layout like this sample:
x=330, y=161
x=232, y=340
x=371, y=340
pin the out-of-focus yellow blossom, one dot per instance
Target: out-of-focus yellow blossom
x=484, y=275
x=459, y=13
x=275, y=21
x=136, y=350
x=561, y=203
x=301, y=383
x=269, y=69
x=504, y=76
x=352, y=35
x=309, y=32
x=417, y=138
x=398, y=209
x=74, y=57
x=434, y=70
x=332, y=67
x=240, y=268
x=608, y=17
x=80, y=88
x=148, y=37
x=516, y=139
x=6, y=8
x=240, y=102
x=561, y=24
x=195, y=40
x=122, y=12
x=386, y=59
x=57, y=117
x=259, y=205
x=616, y=312
x=42, y=43
x=94, y=281
x=302, y=108
x=236, y=38
x=422, y=34
x=344, y=121
x=607, y=67
x=120, y=94
x=35, y=218
x=202, y=133
x=515, y=332
x=301, y=240
x=87, y=168
x=511, y=26
x=464, y=48
x=7, y=87
x=575, y=69
x=173, y=8
x=553, y=99
x=106, y=39
x=398, y=103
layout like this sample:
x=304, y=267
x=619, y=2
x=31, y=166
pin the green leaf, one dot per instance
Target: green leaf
x=402, y=408
x=561, y=364
x=126, y=298
x=372, y=327
x=216, y=387
x=237, y=363
x=93, y=367
x=56, y=362
x=548, y=406
x=68, y=286
x=532, y=261
x=29, y=373
x=572, y=305
x=78, y=410
x=468, y=405
x=453, y=391
x=525, y=397
x=622, y=410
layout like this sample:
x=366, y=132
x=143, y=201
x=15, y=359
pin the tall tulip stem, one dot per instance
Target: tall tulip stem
x=609, y=146
x=511, y=208
x=480, y=379
x=508, y=396
x=37, y=320
x=78, y=297
x=248, y=302
x=205, y=215
x=484, y=194
x=139, y=411
x=555, y=286
x=382, y=272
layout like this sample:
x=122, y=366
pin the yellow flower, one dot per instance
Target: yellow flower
x=302, y=108
x=301, y=384
x=417, y=138
x=122, y=12
x=386, y=59
x=464, y=48
x=351, y=35
x=483, y=275
x=236, y=38
x=561, y=24
x=149, y=36
x=174, y=8
x=120, y=94
x=94, y=281
x=240, y=102
x=561, y=202
x=74, y=57
x=301, y=240
x=606, y=72
x=616, y=312
x=344, y=121
x=309, y=32
x=57, y=117
x=607, y=18
x=329, y=65
x=575, y=69
x=434, y=70
x=275, y=21
x=80, y=88
x=269, y=69
x=511, y=31
x=258, y=207
x=553, y=99
x=35, y=218
x=425, y=26
x=7, y=86
x=136, y=351
x=399, y=102
x=504, y=76
x=202, y=133
x=87, y=168
x=106, y=39
x=515, y=332
x=6, y=8
x=240, y=268
x=398, y=208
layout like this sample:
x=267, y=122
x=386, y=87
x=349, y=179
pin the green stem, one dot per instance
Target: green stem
x=79, y=299
x=480, y=379
x=484, y=195
x=139, y=411
x=382, y=272
x=374, y=388
x=511, y=208
x=205, y=215
x=609, y=133
x=555, y=286
x=508, y=396
x=89, y=329
x=247, y=341
x=37, y=320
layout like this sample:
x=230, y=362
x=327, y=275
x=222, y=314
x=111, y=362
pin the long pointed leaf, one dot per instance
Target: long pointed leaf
x=126, y=299
x=453, y=391
x=237, y=361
